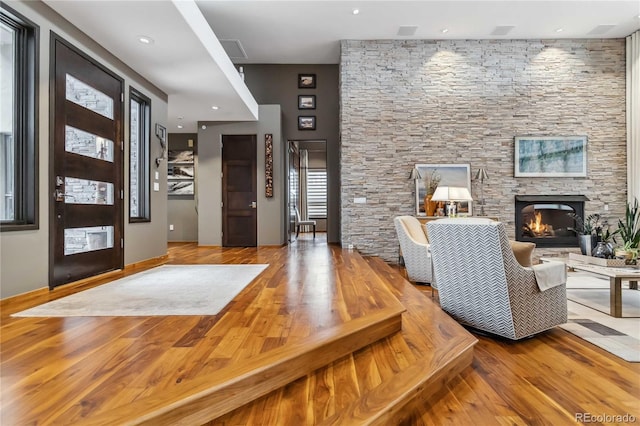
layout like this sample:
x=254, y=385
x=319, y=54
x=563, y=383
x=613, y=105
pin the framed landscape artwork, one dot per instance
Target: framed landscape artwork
x=181, y=173
x=307, y=122
x=550, y=156
x=434, y=175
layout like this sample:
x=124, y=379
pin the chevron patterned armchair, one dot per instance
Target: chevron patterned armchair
x=482, y=285
x=415, y=248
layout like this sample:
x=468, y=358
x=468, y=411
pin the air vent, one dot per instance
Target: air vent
x=407, y=30
x=234, y=49
x=502, y=30
x=601, y=29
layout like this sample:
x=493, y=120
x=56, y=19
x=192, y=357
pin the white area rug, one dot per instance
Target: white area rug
x=165, y=290
x=619, y=336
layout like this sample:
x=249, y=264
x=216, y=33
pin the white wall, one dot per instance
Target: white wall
x=24, y=255
x=271, y=220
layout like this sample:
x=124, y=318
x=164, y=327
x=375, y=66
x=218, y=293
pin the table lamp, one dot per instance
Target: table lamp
x=451, y=194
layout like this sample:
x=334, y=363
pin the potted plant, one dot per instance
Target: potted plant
x=431, y=182
x=587, y=231
x=629, y=231
x=605, y=239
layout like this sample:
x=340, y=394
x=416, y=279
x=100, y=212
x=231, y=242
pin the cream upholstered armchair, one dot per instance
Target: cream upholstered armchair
x=415, y=248
x=482, y=285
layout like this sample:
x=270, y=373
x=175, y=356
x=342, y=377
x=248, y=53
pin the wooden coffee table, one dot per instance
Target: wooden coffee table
x=615, y=274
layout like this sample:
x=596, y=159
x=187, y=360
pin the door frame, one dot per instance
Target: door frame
x=56, y=38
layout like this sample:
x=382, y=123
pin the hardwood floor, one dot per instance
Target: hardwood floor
x=92, y=370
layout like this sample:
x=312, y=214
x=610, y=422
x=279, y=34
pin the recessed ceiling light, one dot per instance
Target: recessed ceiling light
x=444, y=30
x=215, y=107
x=180, y=126
x=559, y=30
x=145, y=39
x=355, y=11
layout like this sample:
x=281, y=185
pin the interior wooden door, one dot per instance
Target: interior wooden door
x=239, y=191
x=86, y=221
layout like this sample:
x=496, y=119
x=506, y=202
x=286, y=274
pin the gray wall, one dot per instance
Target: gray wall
x=271, y=216
x=24, y=255
x=182, y=212
x=278, y=84
x=463, y=101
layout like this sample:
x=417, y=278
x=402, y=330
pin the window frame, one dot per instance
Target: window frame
x=144, y=157
x=25, y=135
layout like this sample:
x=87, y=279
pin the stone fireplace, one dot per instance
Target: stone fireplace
x=546, y=219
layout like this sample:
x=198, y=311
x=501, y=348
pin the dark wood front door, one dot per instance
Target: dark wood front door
x=86, y=235
x=239, y=193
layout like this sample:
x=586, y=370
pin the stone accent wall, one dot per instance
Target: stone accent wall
x=463, y=101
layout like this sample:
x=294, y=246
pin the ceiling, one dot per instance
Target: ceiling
x=187, y=61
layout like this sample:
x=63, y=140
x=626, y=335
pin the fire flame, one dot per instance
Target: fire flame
x=538, y=228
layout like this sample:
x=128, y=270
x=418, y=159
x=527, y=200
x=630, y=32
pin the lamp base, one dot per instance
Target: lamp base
x=452, y=209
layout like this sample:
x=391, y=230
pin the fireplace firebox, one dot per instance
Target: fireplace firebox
x=547, y=220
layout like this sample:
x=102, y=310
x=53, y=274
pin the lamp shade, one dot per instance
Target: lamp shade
x=451, y=193
x=415, y=174
x=481, y=175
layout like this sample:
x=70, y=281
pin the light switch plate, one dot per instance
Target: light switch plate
x=156, y=186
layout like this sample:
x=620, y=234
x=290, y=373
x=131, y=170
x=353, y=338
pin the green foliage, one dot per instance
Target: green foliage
x=629, y=229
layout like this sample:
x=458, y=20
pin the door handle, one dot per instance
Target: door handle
x=253, y=205
x=60, y=195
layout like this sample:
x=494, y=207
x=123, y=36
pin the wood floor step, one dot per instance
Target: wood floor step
x=380, y=384
x=214, y=395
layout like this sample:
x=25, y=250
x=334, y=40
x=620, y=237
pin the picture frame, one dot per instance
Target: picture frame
x=446, y=175
x=161, y=132
x=180, y=187
x=306, y=81
x=306, y=122
x=550, y=156
x=306, y=101
x=180, y=156
x=180, y=172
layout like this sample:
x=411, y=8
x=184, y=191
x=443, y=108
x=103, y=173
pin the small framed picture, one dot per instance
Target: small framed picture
x=306, y=101
x=161, y=132
x=306, y=122
x=306, y=81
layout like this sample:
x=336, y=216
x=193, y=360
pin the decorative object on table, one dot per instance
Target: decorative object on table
x=456, y=175
x=306, y=81
x=431, y=182
x=590, y=260
x=268, y=165
x=452, y=194
x=481, y=176
x=306, y=122
x=161, y=133
x=306, y=101
x=605, y=238
x=587, y=231
x=550, y=156
x=629, y=231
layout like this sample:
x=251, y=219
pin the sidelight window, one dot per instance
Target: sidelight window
x=139, y=141
x=18, y=121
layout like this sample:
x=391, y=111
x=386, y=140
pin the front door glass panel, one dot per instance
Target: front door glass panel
x=82, y=191
x=87, y=144
x=86, y=96
x=82, y=240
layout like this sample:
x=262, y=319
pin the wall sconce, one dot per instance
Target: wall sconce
x=415, y=174
x=481, y=176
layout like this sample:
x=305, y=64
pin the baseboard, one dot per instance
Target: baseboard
x=149, y=263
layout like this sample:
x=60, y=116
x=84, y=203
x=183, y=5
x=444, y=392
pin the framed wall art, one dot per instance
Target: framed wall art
x=550, y=156
x=434, y=175
x=306, y=81
x=306, y=101
x=306, y=122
